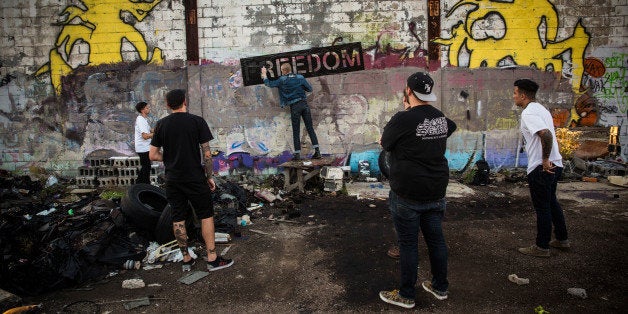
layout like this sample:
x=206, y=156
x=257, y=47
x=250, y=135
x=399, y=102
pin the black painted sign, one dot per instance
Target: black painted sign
x=309, y=63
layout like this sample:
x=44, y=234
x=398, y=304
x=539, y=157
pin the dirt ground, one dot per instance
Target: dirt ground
x=333, y=259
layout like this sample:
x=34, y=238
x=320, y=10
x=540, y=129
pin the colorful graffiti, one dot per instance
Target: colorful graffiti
x=494, y=34
x=100, y=25
x=605, y=91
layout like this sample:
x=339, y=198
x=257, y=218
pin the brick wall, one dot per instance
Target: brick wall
x=69, y=82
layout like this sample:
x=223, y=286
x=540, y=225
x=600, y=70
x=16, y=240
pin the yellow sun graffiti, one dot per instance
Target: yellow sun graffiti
x=524, y=31
x=100, y=25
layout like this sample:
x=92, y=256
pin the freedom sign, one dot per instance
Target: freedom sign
x=309, y=63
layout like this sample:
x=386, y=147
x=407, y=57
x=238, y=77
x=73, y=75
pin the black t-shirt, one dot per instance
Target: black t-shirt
x=417, y=140
x=180, y=135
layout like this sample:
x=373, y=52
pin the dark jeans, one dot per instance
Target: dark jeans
x=410, y=217
x=548, y=211
x=143, y=176
x=298, y=110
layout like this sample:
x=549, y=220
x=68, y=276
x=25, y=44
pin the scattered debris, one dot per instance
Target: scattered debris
x=193, y=277
x=137, y=303
x=520, y=281
x=133, y=283
x=578, y=292
x=258, y=231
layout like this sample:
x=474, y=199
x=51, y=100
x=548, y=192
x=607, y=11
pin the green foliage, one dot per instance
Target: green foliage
x=112, y=194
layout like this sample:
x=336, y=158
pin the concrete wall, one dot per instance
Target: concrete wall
x=72, y=72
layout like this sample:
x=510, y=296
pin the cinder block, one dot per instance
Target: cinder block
x=87, y=171
x=133, y=161
x=127, y=172
x=106, y=172
x=86, y=181
x=332, y=173
x=107, y=181
x=126, y=181
x=119, y=161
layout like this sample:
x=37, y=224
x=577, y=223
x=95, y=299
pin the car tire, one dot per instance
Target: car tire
x=143, y=205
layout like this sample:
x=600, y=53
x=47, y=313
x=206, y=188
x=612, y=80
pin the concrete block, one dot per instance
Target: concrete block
x=87, y=171
x=127, y=172
x=86, y=181
x=119, y=161
x=126, y=181
x=107, y=172
x=107, y=181
x=99, y=162
x=332, y=185
x=332, y=173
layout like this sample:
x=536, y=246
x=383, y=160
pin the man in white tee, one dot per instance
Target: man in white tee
x=545, y=167
x=143, y=134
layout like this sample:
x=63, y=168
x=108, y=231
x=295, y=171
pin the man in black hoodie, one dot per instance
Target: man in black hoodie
x=417, y=139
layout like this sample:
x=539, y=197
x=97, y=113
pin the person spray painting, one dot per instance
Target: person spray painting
x=292, y=88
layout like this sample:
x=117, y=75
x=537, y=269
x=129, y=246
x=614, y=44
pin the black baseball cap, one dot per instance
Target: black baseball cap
x=421, y=85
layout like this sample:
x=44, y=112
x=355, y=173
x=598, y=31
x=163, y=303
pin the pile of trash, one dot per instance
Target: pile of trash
x=55, y=236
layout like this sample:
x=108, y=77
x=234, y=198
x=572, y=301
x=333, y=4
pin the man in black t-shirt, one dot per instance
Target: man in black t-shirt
x=417, y=139
x=187, y=178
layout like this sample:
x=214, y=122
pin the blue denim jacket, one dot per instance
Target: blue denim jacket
x=292, y=88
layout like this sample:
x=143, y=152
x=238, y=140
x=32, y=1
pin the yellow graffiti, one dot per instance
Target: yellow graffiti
x=102, y=27
x=529, y=37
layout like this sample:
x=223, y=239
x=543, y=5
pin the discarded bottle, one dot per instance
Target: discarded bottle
x=131, y=264
x=71, y=212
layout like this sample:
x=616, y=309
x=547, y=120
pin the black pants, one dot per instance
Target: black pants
x=144, y=175
x=297, y=111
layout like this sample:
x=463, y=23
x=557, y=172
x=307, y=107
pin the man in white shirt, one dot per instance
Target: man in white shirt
x=545, y=167
x=143, y=134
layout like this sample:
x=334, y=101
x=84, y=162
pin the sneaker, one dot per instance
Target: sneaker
x=296, y=156
x=563, y=245
x=427, y=286
x=317, y=155
x=219, y=263
x=393, y=252
x=393, y=297
x=534, y=250
x=187, y=266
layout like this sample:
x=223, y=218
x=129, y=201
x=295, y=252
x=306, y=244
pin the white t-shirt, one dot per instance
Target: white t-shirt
x=141, y=126
x=533, y=119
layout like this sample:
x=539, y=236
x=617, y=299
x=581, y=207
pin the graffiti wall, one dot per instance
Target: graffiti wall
x=72, y=71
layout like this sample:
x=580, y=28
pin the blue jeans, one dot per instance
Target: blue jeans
x=298, y=110
x=410, y=217
x=548, y=211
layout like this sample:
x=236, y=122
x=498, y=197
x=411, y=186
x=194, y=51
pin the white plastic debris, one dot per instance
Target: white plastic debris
x=47, y=212
x=578, y=292
x=520, y=281
x=254, y=206
x=133, y=284
x=52, y=180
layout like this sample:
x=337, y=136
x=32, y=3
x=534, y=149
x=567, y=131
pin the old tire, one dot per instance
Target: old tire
x=143, y=205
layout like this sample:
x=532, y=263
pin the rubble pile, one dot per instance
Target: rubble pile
x=53, y=237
